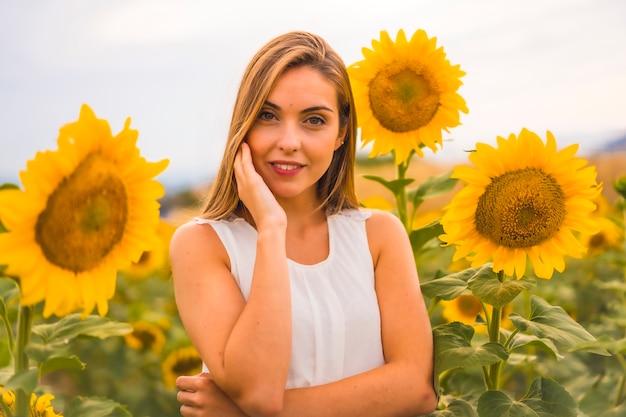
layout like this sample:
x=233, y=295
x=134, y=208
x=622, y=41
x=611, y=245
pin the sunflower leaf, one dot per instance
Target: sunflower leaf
x=5, y=353
x=62, y=362
x=544, y=398
x=433, y=186
x=446, y=288
x=95, y=407
x=456, y=408
x=453, y=348
x=395, y=186
x=554, y=323
x=603, y=342
x=72, y=326
x=486, y=286
x=26, y=380
x=8, y=290
x=522, y=340
x=420, y=237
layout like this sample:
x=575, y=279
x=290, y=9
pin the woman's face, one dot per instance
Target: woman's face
x=296, y=132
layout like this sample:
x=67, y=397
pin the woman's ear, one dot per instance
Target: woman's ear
x=341, y=136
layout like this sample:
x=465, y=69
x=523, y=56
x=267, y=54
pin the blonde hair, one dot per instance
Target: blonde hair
x=291, y=50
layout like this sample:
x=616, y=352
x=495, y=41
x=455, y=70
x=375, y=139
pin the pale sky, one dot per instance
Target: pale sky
x=174, y=67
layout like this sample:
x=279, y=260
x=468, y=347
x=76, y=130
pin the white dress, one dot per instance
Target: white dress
x=335, y=314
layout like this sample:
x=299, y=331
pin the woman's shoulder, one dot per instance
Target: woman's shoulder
x=375, y=219
x=383, y=219
x=384, y=230
x=196, y=235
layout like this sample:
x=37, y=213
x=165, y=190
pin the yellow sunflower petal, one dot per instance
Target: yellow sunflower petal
x=87, y=210
x=405, y=93
x=524, y=199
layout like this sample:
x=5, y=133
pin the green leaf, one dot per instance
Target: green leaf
x=448, y=287
x=497, y=404
x=9, y=290
x=9, y=186
x=433, y=186
x=453, y=348
x=6, y=357
x=457, y=408
x=552, y=322
x=521, y=341
x=548, y=396
x=599, y=399
x=395, y=186
x=545, y=398
x=55, y=337
x=72, y=326
x=95, y=407
x=603, y=342
x=26, y=381
x=420, y=237
x=62, y=362
x=486, y=286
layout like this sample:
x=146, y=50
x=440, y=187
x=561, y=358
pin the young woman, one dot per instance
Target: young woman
x=299, y=302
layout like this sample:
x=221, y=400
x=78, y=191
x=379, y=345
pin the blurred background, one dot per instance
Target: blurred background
x=174, y=67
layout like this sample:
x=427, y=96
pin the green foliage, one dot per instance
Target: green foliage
x=545, y=398
x=554, y=323
x=453, y=348
x=95, y=407
x=545, y=360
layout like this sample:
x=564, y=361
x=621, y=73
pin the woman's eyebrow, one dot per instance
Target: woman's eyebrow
x=307, y=110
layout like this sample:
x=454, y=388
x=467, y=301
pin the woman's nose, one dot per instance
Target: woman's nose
x=289, y=140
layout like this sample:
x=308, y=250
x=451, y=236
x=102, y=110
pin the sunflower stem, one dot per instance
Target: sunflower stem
x=494, y=337
x=621, y=389
x=24, y=324
x=400, y=195
x=8, y=330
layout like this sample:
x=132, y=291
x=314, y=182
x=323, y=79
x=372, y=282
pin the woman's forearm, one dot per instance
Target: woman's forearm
x=257, y=353
x=394, y=389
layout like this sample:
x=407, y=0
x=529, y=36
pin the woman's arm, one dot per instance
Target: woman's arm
x=246, y=345
x=401, y=387
x=404, y=385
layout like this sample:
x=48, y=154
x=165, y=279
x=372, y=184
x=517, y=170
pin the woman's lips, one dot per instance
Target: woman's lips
x=286, y=168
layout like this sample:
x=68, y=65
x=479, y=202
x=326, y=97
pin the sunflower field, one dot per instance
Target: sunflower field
x=520, y=253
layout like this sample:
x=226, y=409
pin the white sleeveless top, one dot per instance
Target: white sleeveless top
x=335, y=314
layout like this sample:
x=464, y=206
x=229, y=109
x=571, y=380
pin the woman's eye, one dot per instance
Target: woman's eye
x=316, y=121
x=266, y=115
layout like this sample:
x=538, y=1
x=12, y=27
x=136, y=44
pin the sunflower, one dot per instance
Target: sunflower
x=153, y=262
x=464, y=308
x=181, y=361
x=522, y=200
x=609, y=237
x=39, y=406
x=405, y=94
x=145, y=336
x=377, y=202
x=87, y=210
x=467, y=309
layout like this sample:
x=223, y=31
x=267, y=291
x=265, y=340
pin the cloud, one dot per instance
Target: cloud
x=174, y=66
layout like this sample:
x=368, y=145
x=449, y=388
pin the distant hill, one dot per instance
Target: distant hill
x=618, y=144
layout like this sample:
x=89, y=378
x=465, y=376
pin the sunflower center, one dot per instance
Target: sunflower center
x=598, y=241
x=469, y=305
x=403, y=99
x=84, y=217
x=520, y=209
x=185, y=366
x=146, y=338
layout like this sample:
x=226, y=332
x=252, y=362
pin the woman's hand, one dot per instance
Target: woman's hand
x=255, y=194
x=201, y=397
